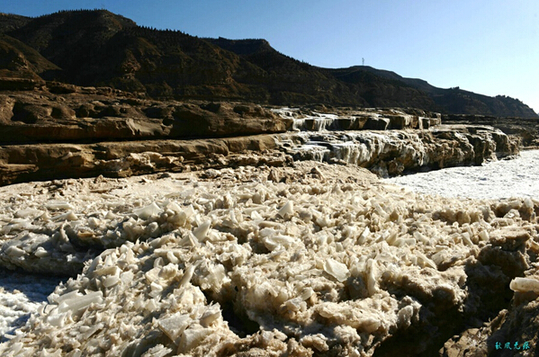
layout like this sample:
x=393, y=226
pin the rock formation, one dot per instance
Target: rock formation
x=99, y=114
x=395, y=151
x=525, y=130
x=63, y=131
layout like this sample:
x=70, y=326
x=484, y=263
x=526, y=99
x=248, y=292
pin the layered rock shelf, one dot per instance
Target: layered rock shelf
x=64, y=131
x=395, y=152
x=526, y=130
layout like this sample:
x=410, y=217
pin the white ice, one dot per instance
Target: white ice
x=495, y=180
x=20, y=295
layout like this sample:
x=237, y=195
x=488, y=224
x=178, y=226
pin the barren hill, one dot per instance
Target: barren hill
x=99, y=48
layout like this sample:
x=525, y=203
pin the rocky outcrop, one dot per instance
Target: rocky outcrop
x=388, y=153
x=397, y=152
x=90, y=114
x=322, y=118
x=64, y=131
x=19, y=163
x=525, y=130
x=422, y=143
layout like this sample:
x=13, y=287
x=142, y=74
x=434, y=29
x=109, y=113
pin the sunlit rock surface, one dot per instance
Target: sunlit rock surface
x=309, y=260
x=130, y=136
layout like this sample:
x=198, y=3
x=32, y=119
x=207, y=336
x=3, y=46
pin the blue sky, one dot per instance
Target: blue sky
x=485, y=46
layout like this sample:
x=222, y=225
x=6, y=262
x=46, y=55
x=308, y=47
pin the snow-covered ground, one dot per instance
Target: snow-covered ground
x=498, y=179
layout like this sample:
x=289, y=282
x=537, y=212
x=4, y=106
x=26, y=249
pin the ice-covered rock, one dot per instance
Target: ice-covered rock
x=393, y=152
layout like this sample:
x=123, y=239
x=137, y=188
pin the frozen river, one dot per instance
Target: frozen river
x=21, y=294
x=498, y=179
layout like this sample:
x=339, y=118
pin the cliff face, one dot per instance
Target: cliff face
x=98, y=48
x=65, y=131
x=527, y=131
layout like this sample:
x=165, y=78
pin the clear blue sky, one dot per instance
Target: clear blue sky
x=485, y=46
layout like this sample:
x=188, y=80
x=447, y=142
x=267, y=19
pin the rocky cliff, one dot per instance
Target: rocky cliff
x=524, y=130
x=64, y=131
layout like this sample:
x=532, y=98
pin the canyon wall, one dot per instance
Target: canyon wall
x=62, y=131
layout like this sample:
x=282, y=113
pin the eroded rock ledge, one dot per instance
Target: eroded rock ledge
x=526, y=130
x=63, y=131
x=389, y=153
x=233, y=262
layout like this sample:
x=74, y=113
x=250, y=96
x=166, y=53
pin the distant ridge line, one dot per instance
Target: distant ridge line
x=99, y=48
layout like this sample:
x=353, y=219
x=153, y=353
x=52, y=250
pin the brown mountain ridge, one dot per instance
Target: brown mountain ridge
x=99, y=48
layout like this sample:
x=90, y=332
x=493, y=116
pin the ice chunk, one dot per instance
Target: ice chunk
x=174, y=325
x=40, y=252
x=202, y=231
x=524, y=285
x=68, y=216
x=14, y=251
x=483, y=235
x=158, y=351
x=90, y=330
x=156, y=289
x=306, y=293
x=80, y=302
x=148, y=211
x=192, y=337
x=28, y=213
x=364, y=236
x=287, y=209
x=404, y=316
x=187, y=275
x=318, y=341
x=110, y=281
x=57, y=319
x=295, y=304
x=57, y=205
x=212, y=314
x=279, y=240
x=336, y=269
x=372, y=276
